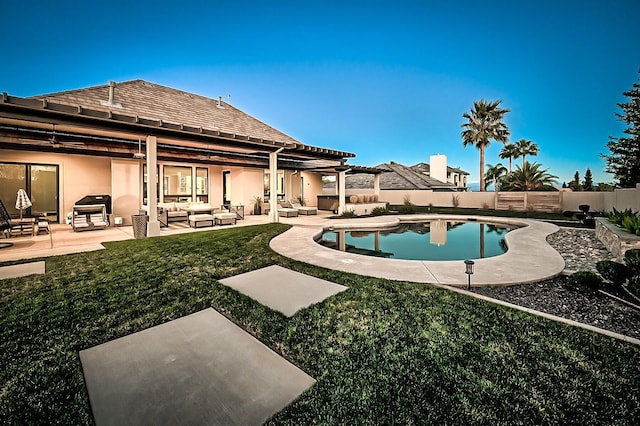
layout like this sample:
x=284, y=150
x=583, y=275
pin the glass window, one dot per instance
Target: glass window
x=44, y=187
x=177, y=184
x=279, y=185
x=13, y=177
x=202, y=184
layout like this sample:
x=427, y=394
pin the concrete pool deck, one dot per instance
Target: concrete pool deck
x=529, y=257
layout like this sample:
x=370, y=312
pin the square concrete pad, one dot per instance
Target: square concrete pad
x=22, y=270
x=282, y=289
x=198, y=370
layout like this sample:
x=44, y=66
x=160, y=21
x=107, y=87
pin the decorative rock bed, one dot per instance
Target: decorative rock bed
x=581, y=249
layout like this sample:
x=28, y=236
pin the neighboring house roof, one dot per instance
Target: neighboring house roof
x=426, y=168
x=396, y=176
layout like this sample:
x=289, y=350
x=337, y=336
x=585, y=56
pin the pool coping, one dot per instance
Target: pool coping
x=529, y=257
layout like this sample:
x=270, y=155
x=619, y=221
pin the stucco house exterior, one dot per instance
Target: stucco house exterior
x=104, y=140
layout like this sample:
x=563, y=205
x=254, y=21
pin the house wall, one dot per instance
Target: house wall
x=312, y=188
x=125, y=188
x=79, y=175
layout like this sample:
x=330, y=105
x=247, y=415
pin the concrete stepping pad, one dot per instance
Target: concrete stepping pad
x=282, y=289
x=200, y=369
x=22, y=270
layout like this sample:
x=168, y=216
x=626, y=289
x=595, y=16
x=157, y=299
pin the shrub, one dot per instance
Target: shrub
x=617, y=216
x=586, y=280
x=568, y=214
x=485, y=206
x=349, y=213
x=634, y=285
x=632, y=260
x=379, y=211
x=406, y=200
x=407, y=209
x=631, y=224
x=612, y=271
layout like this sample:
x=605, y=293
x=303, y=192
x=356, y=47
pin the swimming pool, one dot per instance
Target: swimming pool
x=430, y=240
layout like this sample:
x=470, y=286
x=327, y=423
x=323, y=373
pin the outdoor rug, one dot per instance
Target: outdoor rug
x=282, y=289
x=201, y=369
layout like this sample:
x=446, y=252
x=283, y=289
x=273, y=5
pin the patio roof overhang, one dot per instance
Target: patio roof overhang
x=39, y=125
x=349, y=169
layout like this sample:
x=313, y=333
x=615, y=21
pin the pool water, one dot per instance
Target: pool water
x=434, y=240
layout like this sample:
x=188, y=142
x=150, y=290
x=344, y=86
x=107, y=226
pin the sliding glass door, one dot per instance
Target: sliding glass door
x=40, y=181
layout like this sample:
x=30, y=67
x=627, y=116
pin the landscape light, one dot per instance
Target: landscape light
x=469, y=270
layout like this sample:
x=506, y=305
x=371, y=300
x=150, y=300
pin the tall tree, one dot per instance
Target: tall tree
x=575, y=183
x=495, y=174
x=525, y=148
x=509, y=151
x=531, y=177
x=484, y=124
x=587, y=183
x=624, y=158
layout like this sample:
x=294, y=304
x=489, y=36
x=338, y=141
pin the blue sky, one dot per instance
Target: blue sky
x=388, y=81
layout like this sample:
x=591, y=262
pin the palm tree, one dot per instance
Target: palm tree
x=530, y=177
x=484, y=124
x=525, y=148
x=509, y=151
x=495, y=174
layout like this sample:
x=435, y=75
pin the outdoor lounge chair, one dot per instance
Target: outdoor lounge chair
x=303, y=209
x=285, y=211
x=5, y=224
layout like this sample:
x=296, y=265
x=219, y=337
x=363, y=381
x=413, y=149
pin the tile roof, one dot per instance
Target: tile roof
x=397, y=176
x=153, y=101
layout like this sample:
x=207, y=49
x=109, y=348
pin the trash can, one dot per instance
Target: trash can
x=139, y=222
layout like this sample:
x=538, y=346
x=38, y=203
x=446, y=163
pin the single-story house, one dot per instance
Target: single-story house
x=62, y=146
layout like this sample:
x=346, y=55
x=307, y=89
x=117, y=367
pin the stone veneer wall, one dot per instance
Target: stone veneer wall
x=615, y=240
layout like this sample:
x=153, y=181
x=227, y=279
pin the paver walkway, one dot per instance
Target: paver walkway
x=282, y=289
x=198, y=370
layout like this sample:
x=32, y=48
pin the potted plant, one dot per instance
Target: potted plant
x=257, y=205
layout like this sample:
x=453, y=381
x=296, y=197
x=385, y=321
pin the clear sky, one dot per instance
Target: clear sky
x=386, y=80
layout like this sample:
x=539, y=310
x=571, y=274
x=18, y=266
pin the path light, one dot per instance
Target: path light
x=469, y=270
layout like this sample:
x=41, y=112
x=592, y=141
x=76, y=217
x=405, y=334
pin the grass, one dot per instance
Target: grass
x=381, y=352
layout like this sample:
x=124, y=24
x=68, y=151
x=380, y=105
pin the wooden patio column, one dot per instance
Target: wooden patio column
x=153, y=226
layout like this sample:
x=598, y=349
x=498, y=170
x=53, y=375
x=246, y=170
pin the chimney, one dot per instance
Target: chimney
x=438, y=167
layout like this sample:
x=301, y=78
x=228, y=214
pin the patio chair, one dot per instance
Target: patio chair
x=303, y=209
x=5, y=224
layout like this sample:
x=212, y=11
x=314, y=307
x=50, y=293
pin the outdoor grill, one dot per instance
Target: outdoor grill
x=95, y=200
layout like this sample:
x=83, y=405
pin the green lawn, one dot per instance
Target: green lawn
x=382, y=352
